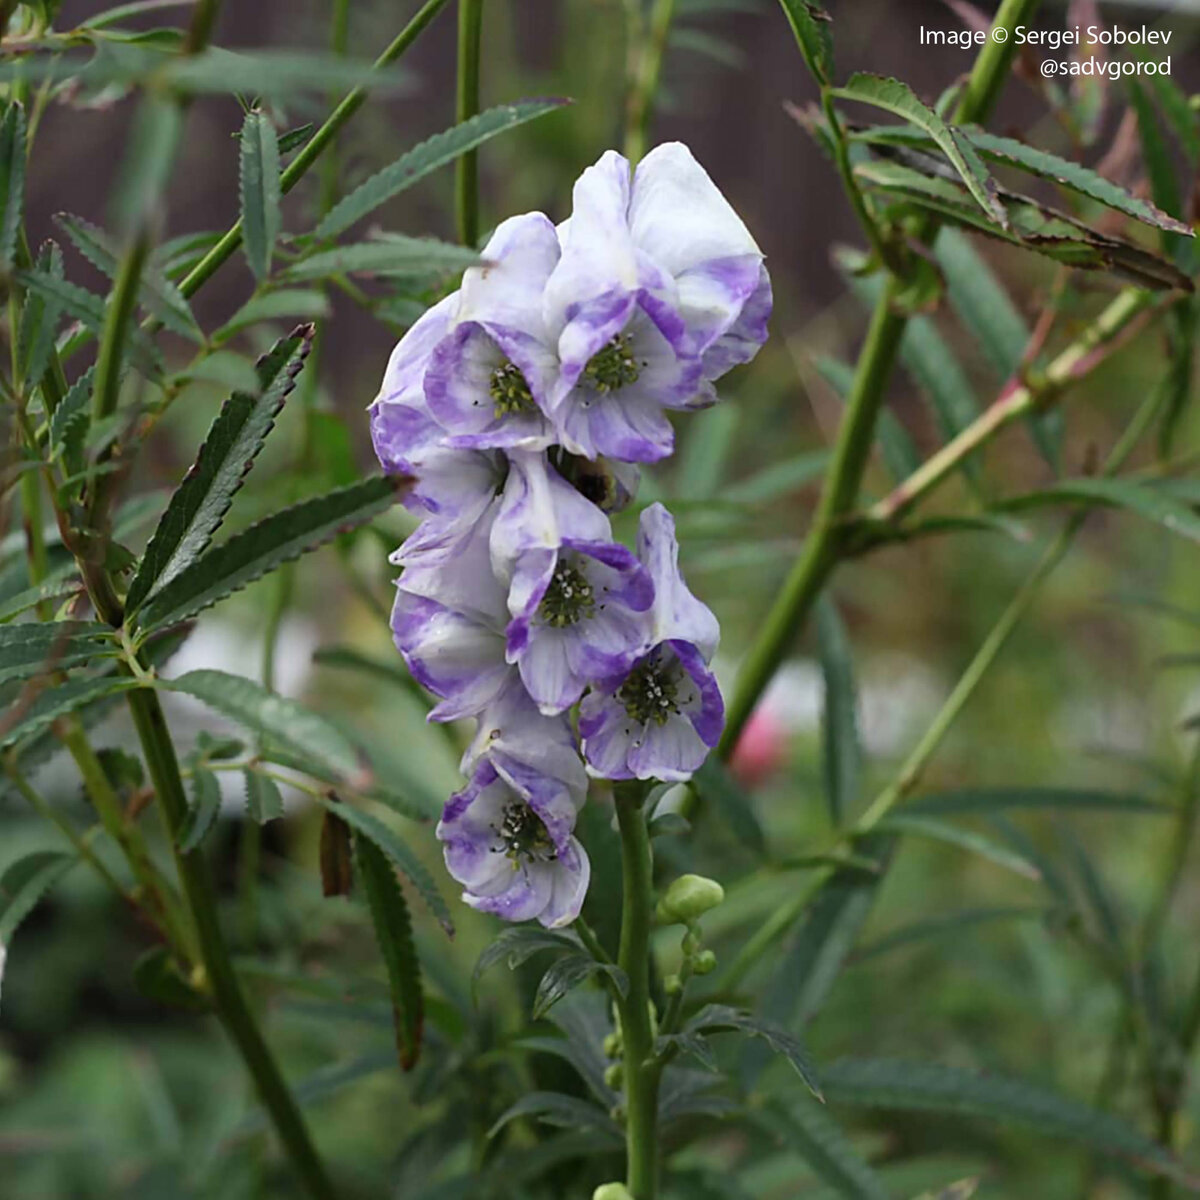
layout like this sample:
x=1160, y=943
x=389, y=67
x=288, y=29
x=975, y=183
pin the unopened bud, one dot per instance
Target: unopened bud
x=672, y=985
x=690, y=944
x=612, y=1045
x=704, y=962
x=614, y=1076
x=611, y=1191
x=690, y=897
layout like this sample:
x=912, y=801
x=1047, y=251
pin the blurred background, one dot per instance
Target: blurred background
x=106, y=1093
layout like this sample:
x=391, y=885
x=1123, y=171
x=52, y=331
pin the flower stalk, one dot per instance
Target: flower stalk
x=466, y=180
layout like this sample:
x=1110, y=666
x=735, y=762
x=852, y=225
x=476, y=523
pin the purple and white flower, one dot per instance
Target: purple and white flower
x=659, y=719
x=660, y=289
x=507, y=838
x=489, y=377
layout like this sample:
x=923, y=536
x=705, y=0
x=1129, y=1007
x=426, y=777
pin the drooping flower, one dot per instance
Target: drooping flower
x=507, y=838
x=660, y=289
x=574, y=595
x=489, y=377
x=659, y=719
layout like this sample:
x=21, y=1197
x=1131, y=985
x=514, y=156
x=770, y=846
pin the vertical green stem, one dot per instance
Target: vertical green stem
x=466, y=180
x=227, y=994
x=646, y=64
x=637, y=1033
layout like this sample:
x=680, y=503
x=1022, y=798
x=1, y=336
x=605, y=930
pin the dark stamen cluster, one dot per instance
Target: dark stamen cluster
x=509, y=390
x=648, y=694
x=569, y=597
x=613, y=366
x=523, y=837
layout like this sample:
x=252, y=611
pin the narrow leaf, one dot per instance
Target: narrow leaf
x=405, y=861
x=984, y=801
x=714, y=1018
x=24, y=883
x=898, y=98
x=200, y=503
x=392, y=255
x=71, y=421
x=260, y=549
x=264, y=801
x=841, y=753
x=40, y=315
x=202, y=812
x=568, y=973
x=267, y=714
x=964, y=839
x=23, y=720
x=259, y=190
x=714, y=784
x=393, y=933
x=520, y=943
x=435, y=152
x=306, y=304
x=12, y=181
x=810, y=25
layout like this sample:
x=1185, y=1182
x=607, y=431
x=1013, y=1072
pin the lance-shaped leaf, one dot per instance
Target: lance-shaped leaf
x=435, y=152
x=566, y=1112
x=201, y=501
x=930, y=1087
x=22, y=885
x=156, y=294
x=390, y=255
x=264, y=801
x=263, y=547
x=715, y=1018
x=393, y=934
x=896, y=97
x=22, y=720
x=810, y=25
x=202, y=811
x=12, y=181
x=568, y=973
x=272, y=716
x=405, y=861
x=841, y=753
x=71, y=421
x=23, y=601
x=986, y=801
x=307, y=304
x=259, y=189
x=37, y=649
x=40, y=315
x=520, y=943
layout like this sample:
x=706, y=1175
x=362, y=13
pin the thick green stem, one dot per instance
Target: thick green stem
x=466, y=177
x=121, y=303
x=637, y=1031
x=313, y=148
x=647, y=71
x=230, y=1003
x=857, y=431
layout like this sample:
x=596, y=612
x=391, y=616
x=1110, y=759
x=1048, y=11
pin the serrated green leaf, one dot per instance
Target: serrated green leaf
x=291, y=303
x=810, y=25
x=156, y=294
x=276, y=717
x=930, y=1087
x=394, y=254
x=88, y=309
x=263, y=547
x=200, y=503
x=898, y=98
x=401, y=856
x=22, y=885
x=566, y=1112
x=22, y=721
x=12, y=181
x=1144, y=500
x=259, y=191
x=393, y=934
x=71, y=421
x=566, y=974
x=229, y=370
x=983, y=801
x=23, y=601
x=38, y=649
x=520, y=943
x=717, y=786
x=39, y=319
x=714, y=1018
x=841, y=752
x=202, y=811
x=264, y=801
x=435, y=152
x=808, y=1128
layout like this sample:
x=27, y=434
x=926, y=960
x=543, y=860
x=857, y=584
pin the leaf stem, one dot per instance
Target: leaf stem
x=647, y=72
x=637, y=1034
x=855, y=436
x=466, y=171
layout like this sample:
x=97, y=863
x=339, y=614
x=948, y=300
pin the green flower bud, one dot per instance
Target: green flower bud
x=690, y=897
x=612, y=1045
x=614, y=1076
x=704, y=962
x=691, y=943
x=611, y=1191
x=672, y=985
